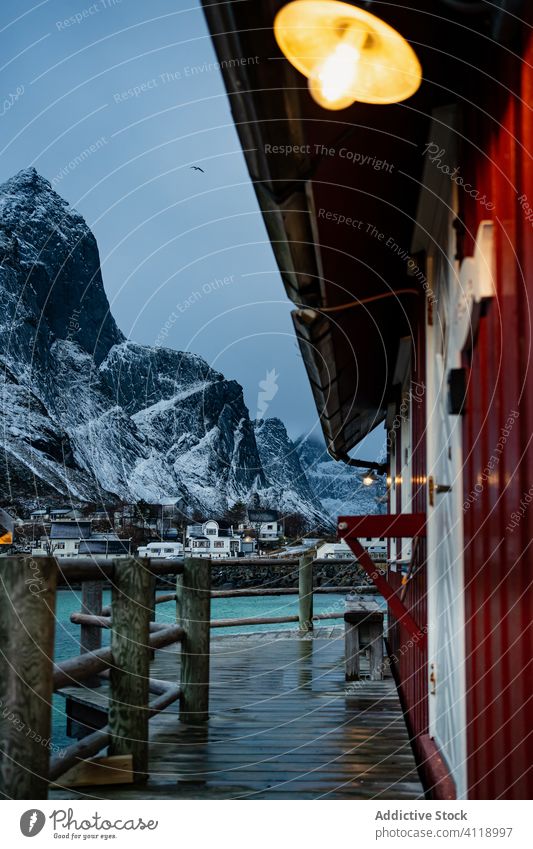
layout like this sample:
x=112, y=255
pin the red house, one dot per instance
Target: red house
x=403, y=233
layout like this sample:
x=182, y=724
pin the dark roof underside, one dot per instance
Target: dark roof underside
x=364, y=164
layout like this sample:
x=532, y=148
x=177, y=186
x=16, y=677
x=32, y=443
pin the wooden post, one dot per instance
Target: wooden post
x=130, y=672
x=375, y=636
x=179, y=597
x=351, y=651
x=27, y=618
x=195, y=605
x=305, y=591
x=152, y=604
x=91, y=637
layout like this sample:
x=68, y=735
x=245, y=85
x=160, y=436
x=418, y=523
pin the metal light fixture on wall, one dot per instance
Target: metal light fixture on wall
x=347, y=54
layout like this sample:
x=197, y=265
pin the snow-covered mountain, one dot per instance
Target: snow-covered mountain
x=281, y=463
x=90, y=415
x=338, y=487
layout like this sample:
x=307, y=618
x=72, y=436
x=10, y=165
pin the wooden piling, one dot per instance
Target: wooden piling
x=194, y=596
x=152, y=603
x=130, y=672
x=351, y=651
x=305, y=591
x=27, y=619
x=91, y=637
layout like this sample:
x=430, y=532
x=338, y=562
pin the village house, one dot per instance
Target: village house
x=266, y=525
x=212, y=539
x=75, y=538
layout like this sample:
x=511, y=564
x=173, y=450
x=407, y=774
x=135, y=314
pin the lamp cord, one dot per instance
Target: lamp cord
x=363, y=301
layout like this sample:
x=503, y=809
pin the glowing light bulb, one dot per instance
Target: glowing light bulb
x=334, y=80
x=346, y=53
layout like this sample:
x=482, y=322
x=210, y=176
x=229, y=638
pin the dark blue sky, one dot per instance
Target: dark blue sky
x=113, y=101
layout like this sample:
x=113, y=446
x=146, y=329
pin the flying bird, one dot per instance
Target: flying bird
x=197, y=168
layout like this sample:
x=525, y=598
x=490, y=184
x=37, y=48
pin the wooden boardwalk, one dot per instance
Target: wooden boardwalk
x=283, y=725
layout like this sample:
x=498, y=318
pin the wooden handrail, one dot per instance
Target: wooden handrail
x=77, y=669
x=251, y=592
x=260, y=591
x=73, y=569
x=268, y=620
x=167, y=693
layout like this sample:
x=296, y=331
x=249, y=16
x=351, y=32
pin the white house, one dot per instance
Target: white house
x=74, y=538
x=212, y=539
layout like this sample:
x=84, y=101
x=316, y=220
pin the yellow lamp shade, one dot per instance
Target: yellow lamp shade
x=347, y=54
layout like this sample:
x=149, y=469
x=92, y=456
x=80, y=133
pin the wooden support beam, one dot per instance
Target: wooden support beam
x=305, y=591
x=387, y=525
x=27, y=618
x=130, y=672
x=195, y=610
x=397, y=606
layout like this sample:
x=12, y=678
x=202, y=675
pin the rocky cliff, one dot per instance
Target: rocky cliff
x=89, y=415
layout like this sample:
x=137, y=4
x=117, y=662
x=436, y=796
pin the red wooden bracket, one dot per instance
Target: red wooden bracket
x=385, y=525
x=396, y=606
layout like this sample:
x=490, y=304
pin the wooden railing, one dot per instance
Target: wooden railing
x=29, y=676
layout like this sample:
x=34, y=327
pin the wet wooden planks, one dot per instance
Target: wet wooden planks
x=283, y=725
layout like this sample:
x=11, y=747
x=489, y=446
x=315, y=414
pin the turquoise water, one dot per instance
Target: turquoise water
x=68, y=635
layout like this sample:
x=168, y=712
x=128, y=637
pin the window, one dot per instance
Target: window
x=219, y=545
x=269, y=527
x=76, y=545
x=199, y=543
x=211, y=531
x=59, y=545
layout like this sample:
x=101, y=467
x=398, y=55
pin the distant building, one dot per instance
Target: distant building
x=212, y=539
x=167, y=514
x=75, y=538
x=266, y=524
x=40, y=515
x=377, y=548
x=107, y=545
x=58, y=513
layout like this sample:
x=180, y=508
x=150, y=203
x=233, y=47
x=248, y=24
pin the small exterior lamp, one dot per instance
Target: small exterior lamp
x=370, y=477
x=347, y=54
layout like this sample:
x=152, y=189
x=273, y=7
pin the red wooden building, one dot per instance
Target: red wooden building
x=404, y=237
